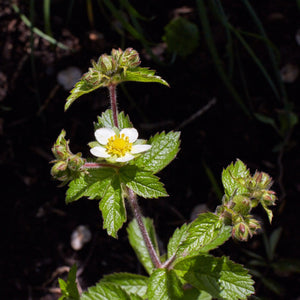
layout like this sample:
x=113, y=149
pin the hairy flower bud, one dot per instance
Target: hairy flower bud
x=240, y=232
x=75, y=162
x=242, y=205
x=60, y=171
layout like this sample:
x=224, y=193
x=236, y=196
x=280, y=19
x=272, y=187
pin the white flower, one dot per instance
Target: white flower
x=119, y=147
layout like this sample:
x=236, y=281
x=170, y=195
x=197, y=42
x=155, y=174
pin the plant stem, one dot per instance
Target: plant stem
x=137, y=214
x=94, y=165
x=113, y=102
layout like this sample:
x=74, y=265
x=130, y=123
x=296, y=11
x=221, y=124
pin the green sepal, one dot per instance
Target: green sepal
x=106, y=120
x=218, y=276
x=92, y=185
x=113, y=208
x=235, y=179
x=143, y=183
x=164, y=149
x=164, y=285
x=139, y=74
x=131, y=283
x=181, y=36
x=137, y=242
x=69, y=288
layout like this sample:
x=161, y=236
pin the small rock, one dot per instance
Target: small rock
x=68, y=77
x=80, y=236
x=289, y=73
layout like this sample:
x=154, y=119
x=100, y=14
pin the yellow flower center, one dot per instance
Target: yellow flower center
x=118, y=146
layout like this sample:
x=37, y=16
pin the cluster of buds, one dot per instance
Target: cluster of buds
x=259, y=187
x=66, y=165
x=110, y=69
x=235, y=210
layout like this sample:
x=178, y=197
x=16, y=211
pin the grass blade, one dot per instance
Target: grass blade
x=37, y=31
x=47, y=14
x=216, y=58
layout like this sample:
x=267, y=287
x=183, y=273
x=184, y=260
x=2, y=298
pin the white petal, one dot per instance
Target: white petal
x=103, y=134
x=140, y=148
x=126, y=157
x=99, y=152
x=131, y=133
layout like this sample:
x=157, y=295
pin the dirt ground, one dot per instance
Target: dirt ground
x=36, y=222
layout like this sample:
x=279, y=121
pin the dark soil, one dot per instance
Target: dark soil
x=37, y=224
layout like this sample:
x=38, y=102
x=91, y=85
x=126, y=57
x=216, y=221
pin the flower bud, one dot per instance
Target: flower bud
x=75, y=162
x=242, y=205
x=60, y=171
x=106, y=64
x=253, y=225
x=240, y=232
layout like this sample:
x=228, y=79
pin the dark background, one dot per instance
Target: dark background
x=36, y=222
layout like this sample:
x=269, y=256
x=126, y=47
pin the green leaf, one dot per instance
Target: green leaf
x=178, y=237
x=142, y=182
x=207, y=232
x=113, y=208
x=164, y=285
x=105, y=291
x=137, y=242
x=81, y=87
x=92, y=185
x=142, y=75
x=106, y=120
x=234, y=177
x=131, y=283
x=266, y=120
x=194, y=294
x=181, y=36
x=69, y=289
x=220, y=277
x=164, y=149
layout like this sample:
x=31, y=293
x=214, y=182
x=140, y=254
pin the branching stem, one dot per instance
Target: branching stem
x=137, y=214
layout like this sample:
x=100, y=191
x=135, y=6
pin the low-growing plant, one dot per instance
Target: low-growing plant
x=123, y=168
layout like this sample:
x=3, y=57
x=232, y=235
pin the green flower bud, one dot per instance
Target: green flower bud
x=242, y=205
x=253, y=225
x=75, y=162
x=106, y=64
x=240, y=232
x=60, y=171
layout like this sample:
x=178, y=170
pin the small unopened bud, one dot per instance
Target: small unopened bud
x=105, y=62
x=75, y=162
x=240, y=232
x=60, y=151
x=242, y=205
x=59, y=171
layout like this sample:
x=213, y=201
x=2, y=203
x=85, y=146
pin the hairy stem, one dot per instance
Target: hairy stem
x=94, y=165
x=137, y=214
x=113, y=103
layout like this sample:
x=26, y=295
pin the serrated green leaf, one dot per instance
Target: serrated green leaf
x=207, y=232
x=267, y=210
x=164, y=285
x=137, y=242
x=220, y=277
x=142, y=75
x=106, y=120
x=92, y=185
x=69, y=289
x=234, y=177
x=164, y=149
x=181, y=36
x=81, y=87
x=194, y=294
x=143, y=183
x=113, y=208
x=105, y=291
x=131, y=283
x=178, y=237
